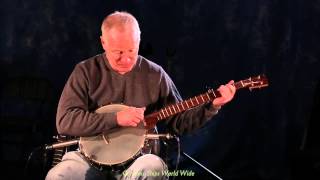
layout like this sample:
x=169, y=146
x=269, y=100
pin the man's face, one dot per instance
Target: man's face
x=121, y=45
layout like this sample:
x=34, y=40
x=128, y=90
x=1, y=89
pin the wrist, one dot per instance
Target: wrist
x=216, y=107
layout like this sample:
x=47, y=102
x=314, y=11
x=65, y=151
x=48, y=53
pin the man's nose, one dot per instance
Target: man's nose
x=125, y=59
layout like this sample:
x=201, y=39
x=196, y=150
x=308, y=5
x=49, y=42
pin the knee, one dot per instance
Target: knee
x=54, y=175
x=152, y=162
x=73, y=168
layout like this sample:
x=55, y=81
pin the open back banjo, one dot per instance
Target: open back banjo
x=120, y=145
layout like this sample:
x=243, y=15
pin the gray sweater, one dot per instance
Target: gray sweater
x=93, y=83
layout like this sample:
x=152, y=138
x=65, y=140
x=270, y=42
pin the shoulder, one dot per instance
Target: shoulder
x=91, y=62
x=89, y=66
x=154, y=71
x=149, y=66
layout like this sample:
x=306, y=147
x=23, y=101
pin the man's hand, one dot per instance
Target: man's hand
x=227, y=93
x=130, y=117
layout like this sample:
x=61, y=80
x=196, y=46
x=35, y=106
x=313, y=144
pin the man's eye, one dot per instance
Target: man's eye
x=117, y=52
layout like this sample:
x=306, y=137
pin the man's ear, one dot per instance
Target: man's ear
x=103, y=43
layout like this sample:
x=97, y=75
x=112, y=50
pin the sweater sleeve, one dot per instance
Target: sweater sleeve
x=188, y=120
x=73, y=115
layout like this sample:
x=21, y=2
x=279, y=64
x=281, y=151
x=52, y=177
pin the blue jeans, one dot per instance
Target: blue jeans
x=74, y=166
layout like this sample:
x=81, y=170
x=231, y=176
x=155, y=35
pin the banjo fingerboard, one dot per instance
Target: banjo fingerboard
x=187, y=104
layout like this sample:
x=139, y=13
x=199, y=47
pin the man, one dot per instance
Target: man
x=121, y=76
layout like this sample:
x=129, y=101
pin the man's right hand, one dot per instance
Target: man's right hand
x=130, y=116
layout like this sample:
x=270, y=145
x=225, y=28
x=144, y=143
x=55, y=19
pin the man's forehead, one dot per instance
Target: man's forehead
x=122, y=33
x=120, y=27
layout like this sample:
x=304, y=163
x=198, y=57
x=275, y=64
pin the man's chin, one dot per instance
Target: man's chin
x=124, y=70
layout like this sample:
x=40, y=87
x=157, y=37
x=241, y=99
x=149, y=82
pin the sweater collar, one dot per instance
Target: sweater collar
x=134, y=69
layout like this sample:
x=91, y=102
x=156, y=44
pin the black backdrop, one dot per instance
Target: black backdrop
x=264, y=134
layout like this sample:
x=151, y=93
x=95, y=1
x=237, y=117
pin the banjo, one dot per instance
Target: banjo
x=121, y=145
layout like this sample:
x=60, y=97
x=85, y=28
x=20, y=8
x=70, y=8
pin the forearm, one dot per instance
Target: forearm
x=192, y=119
x=79, y=122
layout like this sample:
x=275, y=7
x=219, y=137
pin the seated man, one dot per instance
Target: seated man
x=121, y=76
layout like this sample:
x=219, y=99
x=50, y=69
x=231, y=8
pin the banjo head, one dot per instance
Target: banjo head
x=115, y=146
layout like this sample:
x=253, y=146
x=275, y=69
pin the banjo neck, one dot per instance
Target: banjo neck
x=174, y=109
x=168, y=111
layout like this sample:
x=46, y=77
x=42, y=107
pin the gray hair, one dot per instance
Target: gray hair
x=119, y=19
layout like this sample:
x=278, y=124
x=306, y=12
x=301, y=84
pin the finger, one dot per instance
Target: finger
x=133, y=124
x=130, y=110
x=139, y=118
x=230, y=88
x=140, y=110
x=220, y=87
x=135, y=119
x=139, y=114
x=231, y=82
x=223, y=89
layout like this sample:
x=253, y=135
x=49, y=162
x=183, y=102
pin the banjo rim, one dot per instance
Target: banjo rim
x=135, y=151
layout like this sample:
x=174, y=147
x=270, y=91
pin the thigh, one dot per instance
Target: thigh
x=74, y=166
x=148, y=166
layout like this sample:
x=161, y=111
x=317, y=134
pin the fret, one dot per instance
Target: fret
x=197, y=99
x=214, y=94
x=191, y=101
x=183, y=108
x=187, y=104
x=174, y=109
x=202, y=98
x=170, y=110
x=208, y=96
x=166, y=111
x=164, y=115
x=178, y=107
x=160, y=115
x=242, y=84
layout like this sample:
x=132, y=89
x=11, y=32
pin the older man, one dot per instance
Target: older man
x=121, y=76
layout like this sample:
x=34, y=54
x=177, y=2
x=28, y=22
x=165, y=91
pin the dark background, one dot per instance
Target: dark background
x=270, y=133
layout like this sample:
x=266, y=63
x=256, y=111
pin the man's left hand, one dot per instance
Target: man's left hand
x=227, y=92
